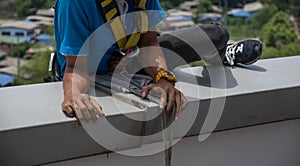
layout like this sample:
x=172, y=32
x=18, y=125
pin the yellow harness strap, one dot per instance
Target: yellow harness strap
x=110, y=12
x=142, y=4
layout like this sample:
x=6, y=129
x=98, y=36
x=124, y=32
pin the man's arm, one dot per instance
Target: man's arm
x=153, y=61
x=76, y=84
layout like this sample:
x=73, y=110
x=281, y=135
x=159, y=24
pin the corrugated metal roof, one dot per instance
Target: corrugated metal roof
x=253, y=7
x=19, y=24
x=45, y=12
x=39, y=18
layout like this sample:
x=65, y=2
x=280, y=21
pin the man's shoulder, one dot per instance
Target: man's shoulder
x=76, y=3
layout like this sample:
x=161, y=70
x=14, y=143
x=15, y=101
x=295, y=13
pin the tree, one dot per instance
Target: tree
x=270, y=52
x=171, y=3
x=262, y=17
x=282, y=5
x=28, y=7
x=279, y=31
x=166, y=4
x=35, y=70
x=204, y=6
x=7, y=9
x=290, y=49
x=232, y=3
x=177, y=2
x=296, y=8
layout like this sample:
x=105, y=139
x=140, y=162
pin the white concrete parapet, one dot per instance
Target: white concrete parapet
x=34, y=131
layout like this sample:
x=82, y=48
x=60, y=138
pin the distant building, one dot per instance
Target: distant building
x=217, y=9
x=7, y=43
x=41, y=20
x=189, y=6
x=44, y=39
x=176, y=12
x=173, y=23
x=177, y=19
x=206, y=18
x=19, y=29
x=43, y=17
x=45, y=12
x=253, y=7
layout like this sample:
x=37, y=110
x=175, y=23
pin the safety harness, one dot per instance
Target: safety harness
x=111, y=14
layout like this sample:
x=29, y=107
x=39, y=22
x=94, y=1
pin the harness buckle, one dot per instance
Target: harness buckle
x=121, y=52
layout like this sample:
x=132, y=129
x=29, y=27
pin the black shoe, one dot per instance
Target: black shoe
x=245, y=52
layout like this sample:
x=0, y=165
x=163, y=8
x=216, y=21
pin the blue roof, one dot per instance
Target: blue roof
x=29, y=21
x=214, y=18
x=5, y=79
x=241, y=13
x=44, y=37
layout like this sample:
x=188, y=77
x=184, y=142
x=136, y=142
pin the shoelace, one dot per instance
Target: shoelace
x=231, y=51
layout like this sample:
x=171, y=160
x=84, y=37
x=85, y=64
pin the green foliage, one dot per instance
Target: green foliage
x=167, y=5
x=49, y=30
x=38, y=45
x=296, y=8
x=239, y=28
x=35, y=70
x=7, y=9
x=28, y=7
x=282, y=5
x=205, y=6
x=19, y=50
x=262, y=17
x=279, y=31
x=291, y=49
x=270, y=52
x=296, y=11
x=177, y=2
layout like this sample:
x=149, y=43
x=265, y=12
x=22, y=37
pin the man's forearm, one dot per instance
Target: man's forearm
x=75, y=83
x=76, y=79
x=151, y=56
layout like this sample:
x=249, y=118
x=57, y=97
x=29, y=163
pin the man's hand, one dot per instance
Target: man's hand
x=82, y=105
x=169, y=96
x=153, y=60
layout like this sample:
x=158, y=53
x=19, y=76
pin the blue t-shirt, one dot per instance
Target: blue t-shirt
x=79, y=30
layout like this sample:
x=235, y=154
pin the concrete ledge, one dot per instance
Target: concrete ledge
x=274, y=144
x=33, y=130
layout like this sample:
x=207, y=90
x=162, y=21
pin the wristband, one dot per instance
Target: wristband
x=167, y=75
